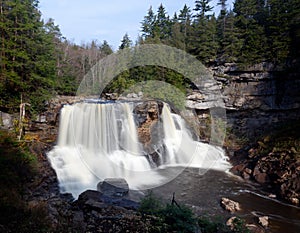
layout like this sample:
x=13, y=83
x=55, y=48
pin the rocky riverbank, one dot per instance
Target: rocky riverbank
x=274, y=162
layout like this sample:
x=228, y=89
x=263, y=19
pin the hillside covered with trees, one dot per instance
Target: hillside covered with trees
x=253, y=31
x=37, y=62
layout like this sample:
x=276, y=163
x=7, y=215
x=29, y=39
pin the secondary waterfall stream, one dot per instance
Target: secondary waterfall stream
x=99, y=140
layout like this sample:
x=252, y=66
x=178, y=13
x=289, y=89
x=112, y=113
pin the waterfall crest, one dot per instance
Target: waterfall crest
x=98, y=141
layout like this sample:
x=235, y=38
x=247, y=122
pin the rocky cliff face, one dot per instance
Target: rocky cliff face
x=256, y=98
x=259, y=100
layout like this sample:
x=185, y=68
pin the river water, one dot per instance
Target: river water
x=204, y=192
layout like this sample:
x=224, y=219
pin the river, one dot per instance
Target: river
x=204, y=192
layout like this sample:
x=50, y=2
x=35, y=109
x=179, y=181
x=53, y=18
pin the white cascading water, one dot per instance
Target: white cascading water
x=98, y=141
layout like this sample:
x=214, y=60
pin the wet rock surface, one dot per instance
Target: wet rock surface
x=230, y=205
x=114, y=187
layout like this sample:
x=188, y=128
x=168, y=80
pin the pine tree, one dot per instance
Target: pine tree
x=162, y=28
x=230, y=44
x=248, y=15
x=148, y=24
x=222, y=19
x=185, y=19
x=106, y=48
x=294, y=27
x=28, y=68
x=177, y=37
x=125, y=42
x=278, y=29
x=201, y=9
x=204, y=36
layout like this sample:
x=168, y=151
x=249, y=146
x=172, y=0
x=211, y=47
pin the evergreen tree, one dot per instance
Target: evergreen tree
x=294, y=7
x=278, y=29
x=221, y=22
x=28, y=65
x=223, y=5
x=162, y=28
x=175, y=18
x=185, y=19
x=125, y=42
x=230, y=43
x=148, y=24
x=178, y=39
x=201, y=9
x=204, y=36
x=106, y=48
x=251, y=31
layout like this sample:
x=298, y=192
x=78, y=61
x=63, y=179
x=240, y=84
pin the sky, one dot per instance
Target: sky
x=83, y=21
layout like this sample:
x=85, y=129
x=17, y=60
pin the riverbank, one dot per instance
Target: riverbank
x=273, y=161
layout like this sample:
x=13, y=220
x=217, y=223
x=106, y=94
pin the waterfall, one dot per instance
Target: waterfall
x=98, y=141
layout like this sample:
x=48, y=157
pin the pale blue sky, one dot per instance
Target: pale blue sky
x=82, y=21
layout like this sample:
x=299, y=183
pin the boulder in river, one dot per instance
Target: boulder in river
x=116, y=187
x=230, y=205
x=264, y=221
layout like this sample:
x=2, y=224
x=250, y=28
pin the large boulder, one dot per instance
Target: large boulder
x=94, y=200
x=113, y=187
x=6, y=120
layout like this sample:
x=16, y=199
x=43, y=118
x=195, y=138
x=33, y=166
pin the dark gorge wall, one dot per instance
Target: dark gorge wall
x=257, y=98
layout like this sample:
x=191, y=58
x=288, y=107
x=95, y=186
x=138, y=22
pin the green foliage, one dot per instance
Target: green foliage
x=201, y=9
x=248, y=20
x=204, y=43
x=278, y=28
x=180, y=218
x=151, y=205
x=16, y=163
x=36, y=61
x=230, y=43
x=154, y=81
x=170, y=217
x=207, y=225
x=26, y=54
x=126, y=42
x=18, y=166
x=254, y=31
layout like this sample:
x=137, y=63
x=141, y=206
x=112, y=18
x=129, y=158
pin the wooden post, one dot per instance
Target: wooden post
x=22, y=117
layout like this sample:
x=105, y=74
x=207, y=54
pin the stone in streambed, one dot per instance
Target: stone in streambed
x=230, y=205
x=264, y=221
x=116, y=187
